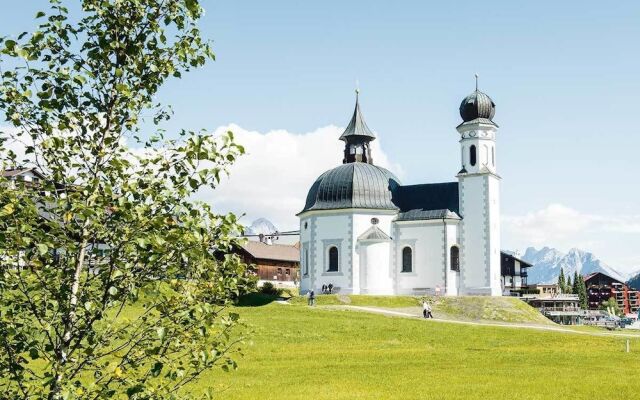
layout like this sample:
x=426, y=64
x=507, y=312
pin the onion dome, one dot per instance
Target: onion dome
x=477, y=105
x=353, y=185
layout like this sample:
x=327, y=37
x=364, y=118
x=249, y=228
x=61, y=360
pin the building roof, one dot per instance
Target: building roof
x=592, y=275
x=277, y=252
x=427, y=201
x=353, y=185
x=19, y=171
x=523, y=264
x=357, y=126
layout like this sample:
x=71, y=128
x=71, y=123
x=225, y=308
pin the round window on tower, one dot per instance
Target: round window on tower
x=374, y=221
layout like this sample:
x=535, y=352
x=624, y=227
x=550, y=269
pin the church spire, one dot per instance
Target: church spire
x=357, y=136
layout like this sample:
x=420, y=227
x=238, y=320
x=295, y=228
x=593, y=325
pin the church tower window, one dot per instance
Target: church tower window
x=407, y=259
x=472, y=155
x=455, y=258
x=333, y=259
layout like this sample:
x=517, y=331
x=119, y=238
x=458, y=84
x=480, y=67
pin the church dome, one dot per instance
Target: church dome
x=477, y=105
x=353, y=185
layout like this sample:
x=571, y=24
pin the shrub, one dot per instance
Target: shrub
x=270, y=289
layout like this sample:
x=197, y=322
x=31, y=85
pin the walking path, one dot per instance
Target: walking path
x=514, y=325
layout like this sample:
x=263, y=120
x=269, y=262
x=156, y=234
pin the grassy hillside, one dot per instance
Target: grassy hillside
x=300, y=352
x=469, y=308
x=313, y=353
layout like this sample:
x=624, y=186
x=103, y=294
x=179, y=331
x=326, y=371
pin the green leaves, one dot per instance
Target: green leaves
x=108, y=265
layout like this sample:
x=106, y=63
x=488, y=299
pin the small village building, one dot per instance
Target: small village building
x=513, y=273
x=602, y=287
x=275, y=263
x=562, y=308
x=26, y=176
x=544, y=289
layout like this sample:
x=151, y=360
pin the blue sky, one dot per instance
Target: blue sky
x=564, y=76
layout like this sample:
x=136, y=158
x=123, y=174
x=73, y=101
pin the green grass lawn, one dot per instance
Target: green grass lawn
x=465, y=308
x=329, y=353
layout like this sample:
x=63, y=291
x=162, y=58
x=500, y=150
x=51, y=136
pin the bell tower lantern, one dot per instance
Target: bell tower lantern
x=357, y=137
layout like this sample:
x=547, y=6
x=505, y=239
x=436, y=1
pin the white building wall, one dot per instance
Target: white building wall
x=367, y=271
x=426, y=241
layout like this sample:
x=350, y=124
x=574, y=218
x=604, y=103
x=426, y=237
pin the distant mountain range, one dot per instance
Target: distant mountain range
x=547, y=263
x=260, y=226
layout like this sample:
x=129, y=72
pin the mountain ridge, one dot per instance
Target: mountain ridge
x=548, y=261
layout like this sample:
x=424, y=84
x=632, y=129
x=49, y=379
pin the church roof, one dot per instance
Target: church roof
x=357, y=126
x=427, y=201
x=353, y=185
x=375, y=234
x=414, y=215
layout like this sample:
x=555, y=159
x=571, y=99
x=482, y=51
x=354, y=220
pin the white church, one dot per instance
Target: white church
x=366, y=233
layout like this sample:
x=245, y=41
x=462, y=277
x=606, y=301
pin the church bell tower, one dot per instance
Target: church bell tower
x=357, y=137
x=479, y=194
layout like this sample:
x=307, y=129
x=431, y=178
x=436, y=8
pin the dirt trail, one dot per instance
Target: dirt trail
x=388, y=312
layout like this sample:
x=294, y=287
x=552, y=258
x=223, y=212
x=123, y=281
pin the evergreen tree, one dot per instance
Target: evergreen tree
x=576, y=284
x=561, y=281
x=582, y=293
x=569, y=286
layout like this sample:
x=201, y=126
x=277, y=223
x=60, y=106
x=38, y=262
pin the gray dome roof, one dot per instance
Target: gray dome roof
x=353, y=185
x=477, y=105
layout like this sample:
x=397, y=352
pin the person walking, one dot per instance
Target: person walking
x=324, y=289
x=330, y=288
x=424, y=308
x=312, y=297
x=429, y=315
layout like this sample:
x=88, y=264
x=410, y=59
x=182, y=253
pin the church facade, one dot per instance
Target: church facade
x=366, y=233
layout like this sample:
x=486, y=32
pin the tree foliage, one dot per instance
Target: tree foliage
x=108, y=284
x=562, y=284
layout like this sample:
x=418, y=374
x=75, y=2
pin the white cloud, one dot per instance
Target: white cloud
x=272, y=179
x=610, y=237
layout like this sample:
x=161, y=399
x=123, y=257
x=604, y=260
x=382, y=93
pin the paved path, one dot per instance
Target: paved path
x=560, y=329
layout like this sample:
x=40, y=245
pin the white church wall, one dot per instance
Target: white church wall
x=374, y=266
x=362, y=222
x=426, y=240
x=473, y=269
x=332, y=230
x=305, y=254
x=493, y=222
x=452, y=277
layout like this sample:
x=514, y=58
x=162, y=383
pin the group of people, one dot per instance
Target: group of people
x=327, y=289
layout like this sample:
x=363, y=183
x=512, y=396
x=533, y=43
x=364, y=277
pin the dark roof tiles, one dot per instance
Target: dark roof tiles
x=353, y=185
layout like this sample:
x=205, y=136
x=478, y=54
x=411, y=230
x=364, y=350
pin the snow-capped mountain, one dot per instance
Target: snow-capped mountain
x=547, y=263
x=260, y=226
x=634, y=280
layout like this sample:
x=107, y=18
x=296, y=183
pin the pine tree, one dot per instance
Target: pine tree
x=582, y=293
x=568, y=287
x=561, y=281
x=576, y=284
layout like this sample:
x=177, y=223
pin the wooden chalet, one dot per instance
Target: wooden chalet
x=273, y=262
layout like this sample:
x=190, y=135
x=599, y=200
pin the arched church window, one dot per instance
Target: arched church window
x=455, y=258
x=472, y=154
x=333, y=258
x=407, y=259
